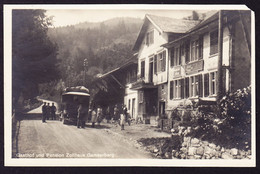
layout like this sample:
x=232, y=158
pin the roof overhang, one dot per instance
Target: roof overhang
x=76, y=93
x=131, y=62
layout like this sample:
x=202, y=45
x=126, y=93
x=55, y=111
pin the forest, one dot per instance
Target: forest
x=105, y=45
x=47, y=59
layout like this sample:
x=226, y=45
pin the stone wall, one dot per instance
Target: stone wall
x=193, y=148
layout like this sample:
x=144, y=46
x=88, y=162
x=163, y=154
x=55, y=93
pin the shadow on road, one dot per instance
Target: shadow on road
x=99, y=127
x=33, y=116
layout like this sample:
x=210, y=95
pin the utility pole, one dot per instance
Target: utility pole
x=85, y=69
x=220, y=48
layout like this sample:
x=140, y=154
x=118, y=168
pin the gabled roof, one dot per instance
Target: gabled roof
x=171, y=25
x=210, y=16
x=164, y=24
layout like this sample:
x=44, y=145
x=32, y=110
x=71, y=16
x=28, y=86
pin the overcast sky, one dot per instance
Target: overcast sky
x=63, y=17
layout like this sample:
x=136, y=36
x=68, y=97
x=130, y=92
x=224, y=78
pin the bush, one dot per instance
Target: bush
x=236, y=115
x=231, y=127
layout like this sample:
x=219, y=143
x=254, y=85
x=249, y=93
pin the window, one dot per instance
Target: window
x=192, y=86
x=132, y=76
x=172, y=56
x=155, y=64
x=159, y=57
x=195, y=86
x=214, y=42
x=142, y=68
x=128, y=77
x=206, y=85
x=196, y=91
x=213, y=86
x=129, y=101
x=163, y=61
x=197, y=49
x=177, y=89
x=150, y=38
x=141, y=96
x=171, y=90
x=177, y=56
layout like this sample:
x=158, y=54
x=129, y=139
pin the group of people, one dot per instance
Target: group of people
x=48, y=112
x=96, y=116
x=123, y=116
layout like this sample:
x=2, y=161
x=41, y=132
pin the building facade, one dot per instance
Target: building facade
x=194, y=59
x=177, y=60
x=153, y=61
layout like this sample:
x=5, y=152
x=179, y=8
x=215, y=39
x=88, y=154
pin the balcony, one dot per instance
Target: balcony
x=141, y=84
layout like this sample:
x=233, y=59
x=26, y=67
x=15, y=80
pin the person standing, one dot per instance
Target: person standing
x=123, y=118
x=81, y=116
x=53, y=112
x=99, y=115
x=48, y=111
x=116, y=113
x=44, y=112
x=93, y=117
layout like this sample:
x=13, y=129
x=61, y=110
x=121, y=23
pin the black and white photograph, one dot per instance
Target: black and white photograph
x=129, y=85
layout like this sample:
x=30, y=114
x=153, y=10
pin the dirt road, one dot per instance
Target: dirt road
x=53, y=139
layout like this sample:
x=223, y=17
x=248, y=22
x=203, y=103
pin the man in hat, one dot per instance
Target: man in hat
x=44, y=111
x=53, y=112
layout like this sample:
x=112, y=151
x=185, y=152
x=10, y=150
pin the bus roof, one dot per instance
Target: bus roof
x=76, y=93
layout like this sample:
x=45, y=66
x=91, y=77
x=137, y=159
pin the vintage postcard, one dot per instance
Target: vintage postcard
x=129, y=85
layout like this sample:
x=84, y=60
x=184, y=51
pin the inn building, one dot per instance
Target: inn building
x=153, y=64
x=177, y=59
x=195, y=63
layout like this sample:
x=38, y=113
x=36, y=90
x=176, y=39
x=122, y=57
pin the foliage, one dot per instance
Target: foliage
x=105, y=45
x=52, y=90
x=33, y=54
x=232, y=126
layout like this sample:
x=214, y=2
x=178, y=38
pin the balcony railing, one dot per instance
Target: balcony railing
x=140, y=84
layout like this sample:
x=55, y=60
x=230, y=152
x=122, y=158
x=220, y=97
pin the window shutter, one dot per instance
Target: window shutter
x=180, y=55
x=201, y=47
x=200, y=86
x=164, y=61
x=206, y=85
x=182, y=88
x=171, y=90
x=155, y=64
x=187, y=56
x=187, y=87
x=174, y=91
x=172, y=57
x=142, y=68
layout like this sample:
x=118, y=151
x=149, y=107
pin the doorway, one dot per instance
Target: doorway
x=133, y=107
x=161, y=108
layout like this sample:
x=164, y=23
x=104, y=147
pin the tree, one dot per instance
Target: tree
x=33, y=54
x=195, y=15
